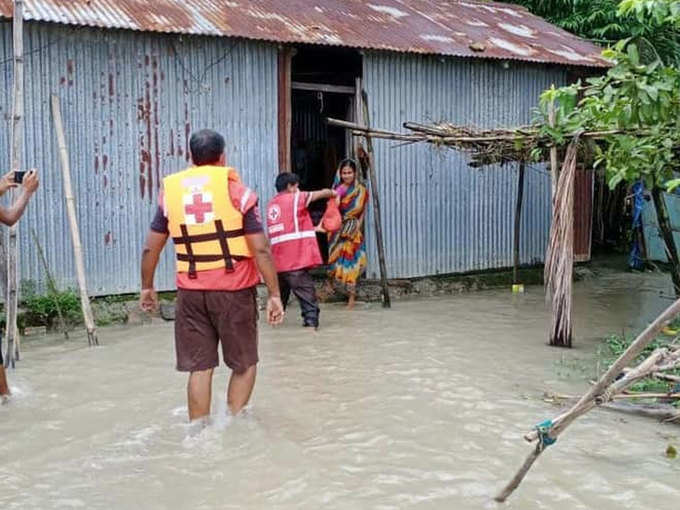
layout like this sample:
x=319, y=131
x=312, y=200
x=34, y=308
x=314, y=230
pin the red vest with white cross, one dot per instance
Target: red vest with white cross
x=291, y=233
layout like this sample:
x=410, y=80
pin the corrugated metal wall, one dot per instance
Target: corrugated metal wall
x=439, y=215
x=129, y=102
x=654, y=243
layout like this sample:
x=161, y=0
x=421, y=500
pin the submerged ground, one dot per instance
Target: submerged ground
x=422, y=406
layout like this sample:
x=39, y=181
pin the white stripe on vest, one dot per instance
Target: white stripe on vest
x=294, y=236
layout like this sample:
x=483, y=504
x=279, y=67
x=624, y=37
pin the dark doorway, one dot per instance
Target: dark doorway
x=323, y=84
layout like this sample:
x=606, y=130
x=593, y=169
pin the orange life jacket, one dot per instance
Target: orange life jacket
x=204, y=224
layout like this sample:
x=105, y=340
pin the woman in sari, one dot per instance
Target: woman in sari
x=347, y=253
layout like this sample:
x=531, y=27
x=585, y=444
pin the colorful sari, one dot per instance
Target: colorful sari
x=347, y=255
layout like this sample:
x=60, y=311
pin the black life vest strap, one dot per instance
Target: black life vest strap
x=212, y=236
x=190, y=257
x=220, y=235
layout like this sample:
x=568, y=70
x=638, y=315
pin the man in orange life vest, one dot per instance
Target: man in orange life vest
x=220, y=245
x=294, y=245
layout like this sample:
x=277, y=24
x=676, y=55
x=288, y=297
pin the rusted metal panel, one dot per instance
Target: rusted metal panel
x=469, y=28
x=583, y=215
x=439, y=215
x=130, y=102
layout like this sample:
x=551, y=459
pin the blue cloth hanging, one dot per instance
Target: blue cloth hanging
x=635, y=258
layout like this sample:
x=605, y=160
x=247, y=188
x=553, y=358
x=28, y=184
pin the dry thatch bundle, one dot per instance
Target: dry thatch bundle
x=560, y=254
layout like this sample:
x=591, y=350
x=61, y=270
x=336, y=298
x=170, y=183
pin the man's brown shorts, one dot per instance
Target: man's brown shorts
x=205, y=318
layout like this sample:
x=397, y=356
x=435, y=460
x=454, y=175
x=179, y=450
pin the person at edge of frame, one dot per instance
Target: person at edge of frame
x=9, y=216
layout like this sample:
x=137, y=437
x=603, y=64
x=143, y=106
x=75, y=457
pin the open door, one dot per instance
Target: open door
x=315, y=83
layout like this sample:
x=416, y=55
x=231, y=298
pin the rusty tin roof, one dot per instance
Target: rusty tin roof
x=469, y=28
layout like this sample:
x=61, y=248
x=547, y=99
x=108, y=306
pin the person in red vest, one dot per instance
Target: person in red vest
x=294, y=246
x=9, y=216
x=220, y=245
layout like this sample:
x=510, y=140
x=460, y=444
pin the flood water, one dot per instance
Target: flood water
x=423, y=406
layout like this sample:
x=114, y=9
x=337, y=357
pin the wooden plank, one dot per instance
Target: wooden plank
x=323, y=87
x=73, y=223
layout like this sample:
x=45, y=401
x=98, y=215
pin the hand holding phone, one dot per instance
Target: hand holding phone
x=30, y=180
x=7, y=182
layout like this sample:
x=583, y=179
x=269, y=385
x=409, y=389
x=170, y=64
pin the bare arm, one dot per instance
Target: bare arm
x=155, y=242
x=259, y=246
x=9, y=216
x=321, y=194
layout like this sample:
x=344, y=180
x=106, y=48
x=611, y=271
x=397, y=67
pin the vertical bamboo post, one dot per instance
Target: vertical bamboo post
x=16, y=164
x=518, y=223
x=73, y=222
x=387, y=303
x=554, y=170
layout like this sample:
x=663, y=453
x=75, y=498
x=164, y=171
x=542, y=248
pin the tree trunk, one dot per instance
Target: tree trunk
x=518, y=223
x=667, y=234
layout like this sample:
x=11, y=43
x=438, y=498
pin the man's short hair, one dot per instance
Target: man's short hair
x=284, y=179
x=207, y=146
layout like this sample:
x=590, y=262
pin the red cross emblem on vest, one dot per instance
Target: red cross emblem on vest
x=198, y=208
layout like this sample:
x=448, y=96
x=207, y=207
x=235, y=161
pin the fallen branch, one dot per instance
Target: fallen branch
x=547, y=433
x=626, y=396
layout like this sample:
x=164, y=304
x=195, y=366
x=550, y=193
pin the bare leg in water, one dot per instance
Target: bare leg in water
x=199, y=394
x=4, y=387
x=352, y=291
x=240, y=389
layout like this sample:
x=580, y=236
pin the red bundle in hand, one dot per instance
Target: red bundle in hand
x=332, y=219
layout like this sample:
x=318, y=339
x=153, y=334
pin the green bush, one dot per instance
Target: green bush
x=41, y=310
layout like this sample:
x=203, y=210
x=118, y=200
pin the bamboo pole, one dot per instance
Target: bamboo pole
x=387, y=303
x=600, y=393
x=518, y=223
x=73, y=222
x=11, y=329
x=51, y=285
x=554, y=171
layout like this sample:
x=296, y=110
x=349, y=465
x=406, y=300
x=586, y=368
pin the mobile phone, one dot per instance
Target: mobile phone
x=19, y=176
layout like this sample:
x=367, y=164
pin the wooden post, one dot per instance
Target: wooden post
x=285, y=63
x=387, y=303
x=554, y=170
x=518, y=223
x=75, y=234
x=16, y=164
x=51, y=285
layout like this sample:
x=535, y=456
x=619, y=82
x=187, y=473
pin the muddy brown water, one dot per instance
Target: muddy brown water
x=423, y=406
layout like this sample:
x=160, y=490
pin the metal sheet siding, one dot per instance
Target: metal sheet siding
x=656, y=247
x=129, y=102
x=439, y=215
